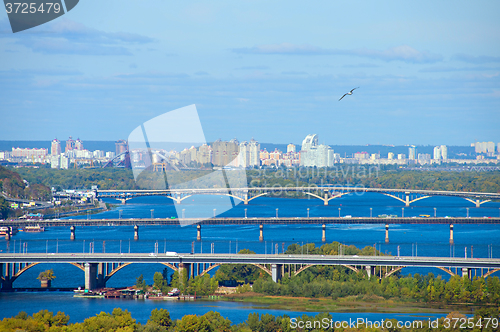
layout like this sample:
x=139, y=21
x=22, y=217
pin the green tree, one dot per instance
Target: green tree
x=141, y=283
x=160, y=317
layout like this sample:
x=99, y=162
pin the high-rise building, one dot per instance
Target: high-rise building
x=244, y=156
x=224, y=152
x=121, y=146
x=204, y=155
x=390, y=156
x=254, y=153
x=70, y=144
x=55, y=147
x=290, y=148
x=437, y=153
x=412, y=153
x=444, y=152
x=313, y=154
x=78, y=144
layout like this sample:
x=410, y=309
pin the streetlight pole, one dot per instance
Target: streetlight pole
x=245, y=213
x=467, y=212
x=371, y=212
x=402, y=212
x=183, y=215
x=276, y=213
x=434, y=212
x=308, y=212
x=339, y=212
x=152, y=213
x=214, y=212
x=119, y=214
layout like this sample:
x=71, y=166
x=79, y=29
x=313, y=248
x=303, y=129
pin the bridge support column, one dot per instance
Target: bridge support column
x=7, y=234
x=101, y=274
x=6, y=282
x=451, y=234
x=325, y=200
x=386, y=233
x=72, y=236
x=370, y=270
x=90, y=275
x=261, y=230
x=407, y=200
x=276, y=272
x=323, y=238
x=184, y=272
x=465, y=272
x=198, y=232
x=245, y=201
x=136, y=232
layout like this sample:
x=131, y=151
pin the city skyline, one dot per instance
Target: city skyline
x=425, y=77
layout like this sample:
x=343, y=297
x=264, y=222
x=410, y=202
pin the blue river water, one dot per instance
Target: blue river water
x=419, y=240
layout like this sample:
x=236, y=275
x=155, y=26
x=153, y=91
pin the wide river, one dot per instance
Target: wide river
x=421, y=240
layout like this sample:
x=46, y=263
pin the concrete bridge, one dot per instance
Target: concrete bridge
x=325, y=193
x=99, y=267
x=136, y=222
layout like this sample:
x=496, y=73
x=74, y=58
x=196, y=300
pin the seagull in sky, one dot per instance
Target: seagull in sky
x=349, y=93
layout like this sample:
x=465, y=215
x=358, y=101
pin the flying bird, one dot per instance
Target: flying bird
x=349, y=93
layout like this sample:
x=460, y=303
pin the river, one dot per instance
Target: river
x=421, y=240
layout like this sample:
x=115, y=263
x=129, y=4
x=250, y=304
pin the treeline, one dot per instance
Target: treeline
x=160, y=321
x=369, y=176
x=104, y=178
x=12, y=184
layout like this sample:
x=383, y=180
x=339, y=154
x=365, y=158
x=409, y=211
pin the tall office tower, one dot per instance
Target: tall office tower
x=78, y=144
x=55, y=147
x=254, y=153
x=313, y=154
x=444, y=152
x=437, y=153
x=70, y=144
x=290, y=148
x=412, y=153
x=390, y=156
x=121, y=146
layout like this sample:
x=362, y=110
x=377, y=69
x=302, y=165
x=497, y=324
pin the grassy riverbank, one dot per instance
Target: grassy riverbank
x=370, y=303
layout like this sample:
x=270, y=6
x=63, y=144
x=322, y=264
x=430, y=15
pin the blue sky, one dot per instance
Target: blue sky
x=428, y=71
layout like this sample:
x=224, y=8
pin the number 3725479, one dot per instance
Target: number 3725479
x=32, y=8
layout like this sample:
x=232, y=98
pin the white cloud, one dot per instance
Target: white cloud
x=399, y=53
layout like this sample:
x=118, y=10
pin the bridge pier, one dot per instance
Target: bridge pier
x=198, y=232
x=136, y=233
x=276, y=272
x=326, y=198
x=451, y=234
x=465, y=272
x=101, y=274
x=90, y=275
x=323, y=238
x=386, y=233
x=6, y=281
x=245, y=200
x=72, y=236
x=184, y=273
x=261, y=230
x=7, y=234
x=370, y=270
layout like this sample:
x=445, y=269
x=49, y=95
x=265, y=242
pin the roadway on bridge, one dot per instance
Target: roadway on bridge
x=486, y=263
x=249, y=221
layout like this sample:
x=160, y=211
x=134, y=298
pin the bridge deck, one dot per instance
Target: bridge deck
x=250, y=221
x=251, y=259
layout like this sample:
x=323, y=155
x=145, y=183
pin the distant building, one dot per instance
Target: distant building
x=70, y=144
x=223, y=152
x=444, y=152
x=55, y=147
x=437, y=153
x=121, y=146
x=29, y=153
x=412, y=153
x=401, y=156
x=290, y=148
x=78, y=144
x=390, y=156
x=254, y=153
x=313, y=154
